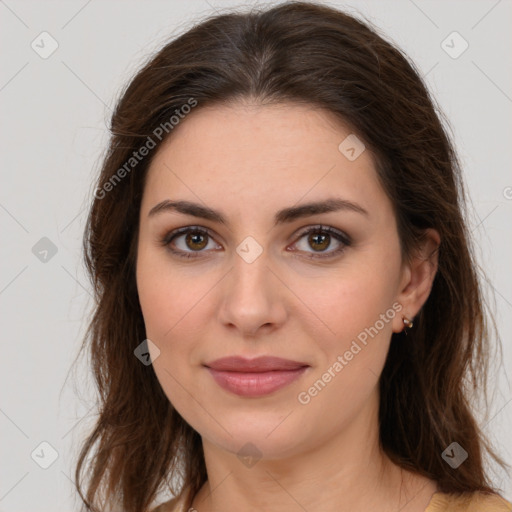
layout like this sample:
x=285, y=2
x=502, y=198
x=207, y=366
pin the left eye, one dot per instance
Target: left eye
x=320, y=238
x=195, y=239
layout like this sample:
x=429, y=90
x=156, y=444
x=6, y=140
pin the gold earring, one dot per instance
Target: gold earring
x=407, y=322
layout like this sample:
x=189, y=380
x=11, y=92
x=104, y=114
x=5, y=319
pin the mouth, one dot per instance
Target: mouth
x=255, y=377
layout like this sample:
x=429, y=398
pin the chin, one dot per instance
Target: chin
x=267, y=437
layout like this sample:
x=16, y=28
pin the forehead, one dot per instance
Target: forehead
x=261, y=156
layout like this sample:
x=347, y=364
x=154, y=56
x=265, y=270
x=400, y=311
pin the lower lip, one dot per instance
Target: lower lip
x=255, y=384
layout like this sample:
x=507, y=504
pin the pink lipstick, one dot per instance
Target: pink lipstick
x=255, y=377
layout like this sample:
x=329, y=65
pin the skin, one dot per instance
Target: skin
x=248, y=161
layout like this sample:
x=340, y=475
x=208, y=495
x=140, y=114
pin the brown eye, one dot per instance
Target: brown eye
x=319, y=242
x=315, y=241
x=196, y=240
x=189, y=242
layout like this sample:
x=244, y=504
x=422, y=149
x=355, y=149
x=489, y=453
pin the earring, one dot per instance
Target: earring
x=407, y=322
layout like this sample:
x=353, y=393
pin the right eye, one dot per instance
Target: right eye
x=188, y=242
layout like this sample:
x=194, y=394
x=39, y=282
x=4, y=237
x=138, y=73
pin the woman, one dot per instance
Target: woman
x=288, y=309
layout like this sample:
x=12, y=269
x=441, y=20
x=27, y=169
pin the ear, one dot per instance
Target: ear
x=417, y=278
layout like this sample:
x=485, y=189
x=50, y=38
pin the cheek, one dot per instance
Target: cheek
x=353, y=325
x=177, y=307
x=346, y=377
x=347, y=303
x=171, y=307
x=167, y=294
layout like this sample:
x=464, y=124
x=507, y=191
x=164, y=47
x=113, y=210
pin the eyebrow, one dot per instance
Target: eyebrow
x=283, y=216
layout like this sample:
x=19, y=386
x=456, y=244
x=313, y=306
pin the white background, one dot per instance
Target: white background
x=55, y=114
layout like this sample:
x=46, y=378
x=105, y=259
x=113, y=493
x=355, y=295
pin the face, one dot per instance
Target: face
x=274, y=278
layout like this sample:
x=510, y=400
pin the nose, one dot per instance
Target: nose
x=253, y=298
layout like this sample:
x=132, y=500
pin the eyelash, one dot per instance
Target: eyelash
x=319, y=229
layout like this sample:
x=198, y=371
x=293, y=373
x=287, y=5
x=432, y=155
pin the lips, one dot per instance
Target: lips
x=255, y=377
x=257, y=365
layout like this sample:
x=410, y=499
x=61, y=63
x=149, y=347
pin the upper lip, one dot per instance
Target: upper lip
x=258, y=364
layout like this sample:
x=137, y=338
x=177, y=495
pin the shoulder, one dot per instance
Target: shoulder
x=468, y=502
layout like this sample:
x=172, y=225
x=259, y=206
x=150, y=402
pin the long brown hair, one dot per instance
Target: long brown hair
x=313, y=54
